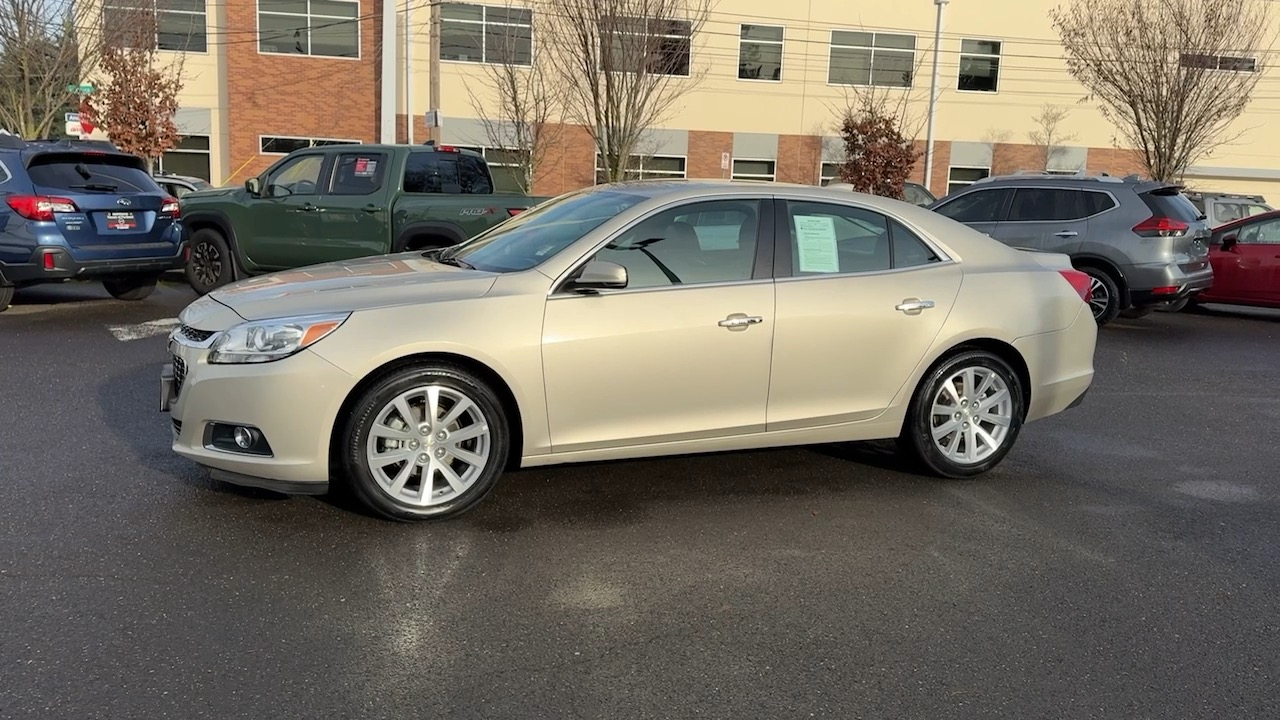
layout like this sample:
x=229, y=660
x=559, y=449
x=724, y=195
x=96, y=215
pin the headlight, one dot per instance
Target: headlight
x=268, y=340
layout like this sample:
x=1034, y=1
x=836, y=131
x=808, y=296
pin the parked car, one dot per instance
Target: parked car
x=180, y=185
x=1220, y=208
x=81, y=210
x=1245, y=256
x=636, y=319
x=914, y=193
x=1142, y=243
x=336, y=202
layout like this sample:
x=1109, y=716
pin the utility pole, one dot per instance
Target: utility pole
x=408, y=72
x=433, y=88
x=387, y=132
x=933, y=96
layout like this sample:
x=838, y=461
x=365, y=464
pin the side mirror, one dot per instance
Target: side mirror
x=1228, y=242
x=252, y=186
x=599, y=275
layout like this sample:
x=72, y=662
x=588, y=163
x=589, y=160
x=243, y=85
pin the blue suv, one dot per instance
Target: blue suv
x=82, y=210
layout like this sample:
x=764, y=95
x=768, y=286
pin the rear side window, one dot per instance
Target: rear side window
x=1170, y=204
x=80, y=173
x=975, y=207
x=446, y=172
x=358, y=173
x=1045, y=204
x=908, y=249
x=1097, y=202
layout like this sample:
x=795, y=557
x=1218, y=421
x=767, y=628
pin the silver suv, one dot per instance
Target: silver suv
x=1142, y=242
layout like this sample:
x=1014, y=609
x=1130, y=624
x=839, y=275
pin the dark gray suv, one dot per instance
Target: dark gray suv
x=1143, y=243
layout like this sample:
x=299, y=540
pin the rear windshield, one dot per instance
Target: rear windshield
x=1171, y=204
x=446, y=172
x=90, y=173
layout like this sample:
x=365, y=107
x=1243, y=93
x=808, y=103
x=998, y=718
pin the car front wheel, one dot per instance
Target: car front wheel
x=209, y=266
x=966, y=415
x=425, y=442
x=131, y=288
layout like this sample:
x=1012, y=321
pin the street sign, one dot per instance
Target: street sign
x=724, y=161
x=81, y=89
x=73, y=129
x=73, y=117
x=433, y=119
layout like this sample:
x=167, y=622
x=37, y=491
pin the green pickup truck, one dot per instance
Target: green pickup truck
x=335, y=202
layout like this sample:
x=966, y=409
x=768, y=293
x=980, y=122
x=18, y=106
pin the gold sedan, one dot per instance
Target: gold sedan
x=630, y=320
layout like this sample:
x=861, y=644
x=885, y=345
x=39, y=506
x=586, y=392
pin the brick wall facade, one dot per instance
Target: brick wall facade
x=799, y=159
x=705, y=149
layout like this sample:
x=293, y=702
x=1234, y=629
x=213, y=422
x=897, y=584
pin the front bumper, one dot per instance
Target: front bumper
x=292, y=402
x=55, y=264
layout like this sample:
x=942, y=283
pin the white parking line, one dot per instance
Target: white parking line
x=125, y=333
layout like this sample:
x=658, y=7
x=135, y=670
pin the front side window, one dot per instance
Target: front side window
x=180, y=25
x=1225, y=212
x=983, y=206
x=297, y=176
x=979, y=66
x=653, y=45
x=534, y=236
x=871, y=58
x=760, y=52
x=322, y=28
x=1045, y=204
x=1266, y=232
x=704, y=242
x=484, y=34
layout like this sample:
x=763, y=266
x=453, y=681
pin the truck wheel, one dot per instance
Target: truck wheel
x=209, y=267
x=6, y=297
x=131, y=287
x=427, y=242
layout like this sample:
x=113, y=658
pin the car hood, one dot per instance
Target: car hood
x=350, y=285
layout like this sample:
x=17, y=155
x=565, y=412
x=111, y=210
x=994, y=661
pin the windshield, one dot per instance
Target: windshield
x=533, y=236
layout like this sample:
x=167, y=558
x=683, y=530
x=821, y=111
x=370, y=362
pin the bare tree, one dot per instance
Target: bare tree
x=1171, y=75
x=46, y=47
x=996, y=137
x=623, y=64
x=518, y=102
x=1048, y=137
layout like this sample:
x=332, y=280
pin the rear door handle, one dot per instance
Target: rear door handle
x=913, y=306
x=1066, y=233
x=740, y=321
x=371, y=208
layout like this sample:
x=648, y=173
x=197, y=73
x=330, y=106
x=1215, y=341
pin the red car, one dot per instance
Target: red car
x=1245, y=255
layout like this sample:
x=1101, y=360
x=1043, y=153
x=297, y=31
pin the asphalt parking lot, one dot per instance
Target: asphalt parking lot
x=1122, y=563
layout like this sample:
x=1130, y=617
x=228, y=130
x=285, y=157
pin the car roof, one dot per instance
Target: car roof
x=1241, y=221
x=1135, y=182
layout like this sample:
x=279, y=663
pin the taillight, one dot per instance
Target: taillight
x=1080, y=282
x=169, y=206
x=40, y=207
x=514, y=211
x=1161, y=227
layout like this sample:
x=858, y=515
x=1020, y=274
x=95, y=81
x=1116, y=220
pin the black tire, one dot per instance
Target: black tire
x=1104, y=297
x=423, y=243
x=6, y=297
x=367, y=411
x=131, y=288
x=917, y=432
x=210, y=265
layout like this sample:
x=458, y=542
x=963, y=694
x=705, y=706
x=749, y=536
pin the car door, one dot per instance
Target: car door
x=681, y=353
x=860, y=299
x=351, y=216
x=1252, y=264
x=981, y=210
x=280, y=228
x=1045, y=219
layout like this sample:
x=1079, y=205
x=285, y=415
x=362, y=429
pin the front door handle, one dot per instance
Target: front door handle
x=740, y=321
x=371, y=208
x=1066, y=233
x=913, y=306
x=308, y=207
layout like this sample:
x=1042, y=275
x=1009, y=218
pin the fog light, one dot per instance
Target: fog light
x=244, y=437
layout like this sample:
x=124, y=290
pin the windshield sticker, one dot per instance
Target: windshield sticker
x=816, y=241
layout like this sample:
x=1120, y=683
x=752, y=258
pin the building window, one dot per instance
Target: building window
x=760, y=52
x=959, y=178
x=483, y=34
x=189, y=157
x=505, y=165
x=180, y=24
x=286, y=145
x=1226, y=63
x=979, y=65
x=322, y=28
x=667, y=45
x=754, y=170
x=829, y=173
x=871, y=58
x=646, y=168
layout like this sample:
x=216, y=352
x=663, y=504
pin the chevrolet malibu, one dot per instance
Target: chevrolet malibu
x=623, y=321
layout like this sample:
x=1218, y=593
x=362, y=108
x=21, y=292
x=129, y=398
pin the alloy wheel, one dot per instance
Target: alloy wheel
x=1099, y=297
x=971, y=415
x=206, y=264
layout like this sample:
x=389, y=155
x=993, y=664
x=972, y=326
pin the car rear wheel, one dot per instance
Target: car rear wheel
x=426, y=442
x=966, y=415
x=1104, y=295
x=131, y=288
x=6, y=297
x=209, y=266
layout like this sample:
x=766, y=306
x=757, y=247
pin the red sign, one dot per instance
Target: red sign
x=86, y=125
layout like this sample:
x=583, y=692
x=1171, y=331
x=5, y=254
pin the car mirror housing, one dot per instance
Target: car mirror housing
x=1228, y=242
x=600, y=275
x=252, y=186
